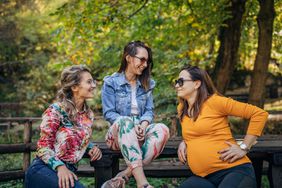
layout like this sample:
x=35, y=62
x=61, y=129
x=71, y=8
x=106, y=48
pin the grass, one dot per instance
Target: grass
x=12, y=184
x=159, y=182
x=156, y=182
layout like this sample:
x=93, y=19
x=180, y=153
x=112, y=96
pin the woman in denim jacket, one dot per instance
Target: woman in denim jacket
x=128, y=105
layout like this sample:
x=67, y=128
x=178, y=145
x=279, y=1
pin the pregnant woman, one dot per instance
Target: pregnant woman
x=208, y=145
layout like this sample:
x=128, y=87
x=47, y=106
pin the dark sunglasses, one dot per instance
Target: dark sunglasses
x=180, y=81
x=142, y=59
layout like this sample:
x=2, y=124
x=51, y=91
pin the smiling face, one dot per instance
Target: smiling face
x=86, y=86
x=136, y=64
x=189, y=87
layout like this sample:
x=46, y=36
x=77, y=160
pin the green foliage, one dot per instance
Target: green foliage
x=249, y=41
x=94, y=33
x=15, y=159
x=40, y=38
x=159, y=182
x=24, y=53
x=12, y=184
x=87, y=181
x=276, y=55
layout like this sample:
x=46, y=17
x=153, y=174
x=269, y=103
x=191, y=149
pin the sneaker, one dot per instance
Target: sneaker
x=117, y=182
x=147, y=186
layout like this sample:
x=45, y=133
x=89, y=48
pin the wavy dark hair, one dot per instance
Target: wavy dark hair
x=206, y=89
x=131, y=49
x=71, y=76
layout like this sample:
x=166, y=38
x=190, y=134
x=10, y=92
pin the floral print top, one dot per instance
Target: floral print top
x=61, y=142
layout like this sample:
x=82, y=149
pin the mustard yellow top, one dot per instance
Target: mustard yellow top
x=207, y=135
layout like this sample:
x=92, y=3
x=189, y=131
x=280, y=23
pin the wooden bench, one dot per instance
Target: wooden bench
x=268, y=148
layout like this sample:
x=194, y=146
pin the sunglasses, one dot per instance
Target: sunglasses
x=142, y=59
x=180, y=81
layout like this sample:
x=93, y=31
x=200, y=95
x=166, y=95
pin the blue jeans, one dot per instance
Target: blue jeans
x=41, y=175
x=241, y=176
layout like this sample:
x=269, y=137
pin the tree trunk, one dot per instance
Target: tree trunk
x=229, y=37
x=265, y=24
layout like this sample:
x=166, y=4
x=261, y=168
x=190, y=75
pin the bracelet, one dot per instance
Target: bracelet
x=244, y=147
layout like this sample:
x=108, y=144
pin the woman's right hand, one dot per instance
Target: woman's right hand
x=95, y=153
x=140, y=132
x=182, y=152
x=66, y=177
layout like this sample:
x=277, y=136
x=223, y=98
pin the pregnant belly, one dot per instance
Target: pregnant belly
x=203, y=157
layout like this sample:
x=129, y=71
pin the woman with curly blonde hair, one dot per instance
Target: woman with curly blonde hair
x=66, y=130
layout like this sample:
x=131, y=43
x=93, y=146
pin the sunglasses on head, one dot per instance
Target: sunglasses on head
x=142, y=59
x=180, y=81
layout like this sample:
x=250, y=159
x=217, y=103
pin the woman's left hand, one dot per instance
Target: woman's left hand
x=232, y=153
x=95, y=153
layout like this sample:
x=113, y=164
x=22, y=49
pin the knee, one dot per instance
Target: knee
x=238, y=180
x=147, y=161
x=163, y=130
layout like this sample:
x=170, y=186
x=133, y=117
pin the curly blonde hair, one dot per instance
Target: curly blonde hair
x=71, y=76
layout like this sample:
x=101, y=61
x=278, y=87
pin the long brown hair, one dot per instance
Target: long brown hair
x=131, y=49
x=71, y=76
x=206, y=89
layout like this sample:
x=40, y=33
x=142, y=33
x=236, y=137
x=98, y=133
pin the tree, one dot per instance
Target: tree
x=43, y=39
x=229, y=37
x=25, y=50
x=265, y=24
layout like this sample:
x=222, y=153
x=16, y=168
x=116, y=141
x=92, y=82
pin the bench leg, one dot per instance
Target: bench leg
x=275, y=178
x=102, y=174
x=258, y=165
x=275, y=171
x=115, y=166
x=106, y=168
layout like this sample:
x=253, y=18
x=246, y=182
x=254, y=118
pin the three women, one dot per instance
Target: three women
x=212, y=153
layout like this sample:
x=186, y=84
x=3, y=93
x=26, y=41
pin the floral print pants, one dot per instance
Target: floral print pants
x=121, y=136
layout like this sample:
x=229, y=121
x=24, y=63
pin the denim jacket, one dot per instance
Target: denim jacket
x=116, y=98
